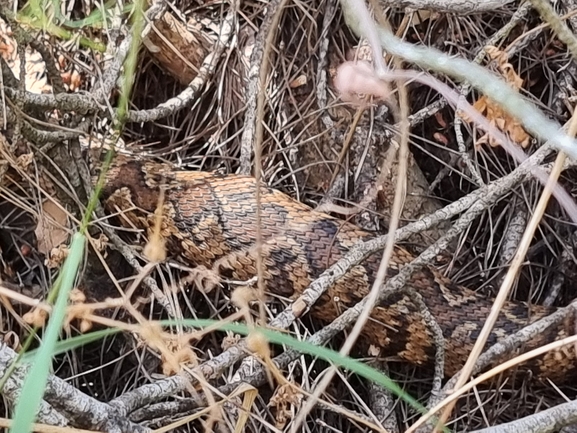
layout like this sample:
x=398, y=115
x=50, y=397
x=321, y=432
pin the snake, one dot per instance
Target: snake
x=209, y=221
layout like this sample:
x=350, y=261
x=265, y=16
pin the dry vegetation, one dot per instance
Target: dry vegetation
x=315, y=147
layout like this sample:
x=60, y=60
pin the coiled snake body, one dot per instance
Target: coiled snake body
x=210, y=220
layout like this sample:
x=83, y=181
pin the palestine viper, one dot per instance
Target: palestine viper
x=210, y=220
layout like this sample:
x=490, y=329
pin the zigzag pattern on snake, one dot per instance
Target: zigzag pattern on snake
x=210, y=220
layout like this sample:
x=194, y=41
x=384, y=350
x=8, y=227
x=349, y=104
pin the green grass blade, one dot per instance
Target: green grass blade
x=274, y=337
x=35, y=382
x=68, y=344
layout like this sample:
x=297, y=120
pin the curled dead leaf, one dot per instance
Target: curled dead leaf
x=51, y=230
x=493, y=112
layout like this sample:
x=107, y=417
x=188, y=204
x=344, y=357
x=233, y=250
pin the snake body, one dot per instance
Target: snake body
x=209, y=220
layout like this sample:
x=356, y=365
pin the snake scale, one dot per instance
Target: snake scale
x=209, y=220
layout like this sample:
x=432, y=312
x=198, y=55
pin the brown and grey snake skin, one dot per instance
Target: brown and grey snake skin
x=210, y=220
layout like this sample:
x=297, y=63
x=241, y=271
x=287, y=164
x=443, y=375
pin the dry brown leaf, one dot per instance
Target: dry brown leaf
x=422, y=15
x=494, y=113
x=51, y=230
x=502, y=120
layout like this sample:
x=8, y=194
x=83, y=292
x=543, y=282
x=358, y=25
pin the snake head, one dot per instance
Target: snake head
x=142, y=180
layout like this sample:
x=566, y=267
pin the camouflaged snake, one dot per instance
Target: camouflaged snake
x=210, y=221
